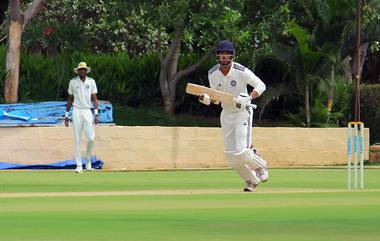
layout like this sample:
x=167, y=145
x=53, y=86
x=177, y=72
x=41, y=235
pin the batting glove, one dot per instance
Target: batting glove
x=205, y=99
x=243, y=100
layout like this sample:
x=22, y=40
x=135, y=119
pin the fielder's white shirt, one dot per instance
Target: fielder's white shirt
x=235, y=82
x=82, y=91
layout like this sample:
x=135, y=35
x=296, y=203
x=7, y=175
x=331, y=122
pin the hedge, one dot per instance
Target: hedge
x=134, y=82
x=120, y=79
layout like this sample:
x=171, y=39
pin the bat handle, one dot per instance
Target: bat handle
x=238, y=105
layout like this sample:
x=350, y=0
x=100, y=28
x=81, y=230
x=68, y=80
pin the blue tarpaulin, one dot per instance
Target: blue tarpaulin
x=67, y=164
x=45, y=113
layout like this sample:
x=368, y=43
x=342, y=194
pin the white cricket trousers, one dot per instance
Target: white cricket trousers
x=83, y=121
x=237, y=127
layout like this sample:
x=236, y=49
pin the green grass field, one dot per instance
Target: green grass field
x=296, y=204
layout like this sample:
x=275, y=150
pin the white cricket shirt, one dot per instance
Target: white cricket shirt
x=235, y=82
x=82, y=90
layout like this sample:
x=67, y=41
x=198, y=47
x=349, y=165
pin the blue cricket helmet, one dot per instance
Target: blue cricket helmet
x=226, y=46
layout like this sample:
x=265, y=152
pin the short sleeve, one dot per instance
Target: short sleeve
x=211, y=77
x=70, y=90
x=94, y=89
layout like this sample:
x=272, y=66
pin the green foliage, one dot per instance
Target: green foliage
x=125, y=80
x=315, y=42
x=270, y=22
x=109, y=26
x=51, y=37
x=319, y=113
x=342, y=101
x=313, y=36
x=120, y=79
x=369, y=109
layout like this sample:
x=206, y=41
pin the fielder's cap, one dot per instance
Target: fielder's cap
x=82, y=65
x=225, y=46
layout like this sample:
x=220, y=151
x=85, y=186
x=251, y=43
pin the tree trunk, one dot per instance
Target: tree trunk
x=307, y=105
x=347, y=69
x=13, y=62
x=18, y=21
x=330, y=99
x=167, y=91
x=169, y=75
x=349, y=65
x=363, y=54
x=169, y=103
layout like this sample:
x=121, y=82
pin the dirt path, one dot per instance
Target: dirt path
x=173, y=192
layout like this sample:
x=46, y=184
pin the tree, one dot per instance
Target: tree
x=192, y=26
x=18, y=19
x=111, y=26
x=334, y=34
x=324, y=30
x=3, y=8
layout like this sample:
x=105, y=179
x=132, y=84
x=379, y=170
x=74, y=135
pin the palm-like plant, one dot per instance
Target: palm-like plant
x=304, y=63
x=335, y=35
x=321, y=43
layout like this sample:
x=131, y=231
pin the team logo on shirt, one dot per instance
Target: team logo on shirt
x=233, y=82
x=87, y=86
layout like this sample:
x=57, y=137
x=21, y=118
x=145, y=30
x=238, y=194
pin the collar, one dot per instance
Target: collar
x=81, y=80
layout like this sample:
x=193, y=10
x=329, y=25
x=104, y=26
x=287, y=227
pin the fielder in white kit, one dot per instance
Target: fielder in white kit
x=81, y=90
x=236, y=118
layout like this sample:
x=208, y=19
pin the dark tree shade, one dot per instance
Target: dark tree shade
x=371, y=71
x=3, y=8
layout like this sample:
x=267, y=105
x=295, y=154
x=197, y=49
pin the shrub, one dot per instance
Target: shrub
x=123, y=80
x=370, y=109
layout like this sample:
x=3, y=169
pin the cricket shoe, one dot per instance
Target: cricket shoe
x=263, y=174
x=250, y=187
x=78, y=170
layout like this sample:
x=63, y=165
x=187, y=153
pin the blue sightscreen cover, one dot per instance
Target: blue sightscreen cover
x=51, y=112
x=67, y=164
x=17, y=114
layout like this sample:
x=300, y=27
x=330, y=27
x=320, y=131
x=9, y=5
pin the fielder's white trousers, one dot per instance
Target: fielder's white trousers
x=83, y=121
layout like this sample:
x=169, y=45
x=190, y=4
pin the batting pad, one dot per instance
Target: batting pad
x=242, y=169
x=248, y=157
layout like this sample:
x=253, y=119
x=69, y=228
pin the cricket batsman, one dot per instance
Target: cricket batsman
x=81, y=90
x=236, y=118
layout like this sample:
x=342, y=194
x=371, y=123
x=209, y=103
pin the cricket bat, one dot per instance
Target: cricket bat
x=217, y=95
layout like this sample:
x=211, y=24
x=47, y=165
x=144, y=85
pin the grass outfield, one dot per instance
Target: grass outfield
x=296, y=204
